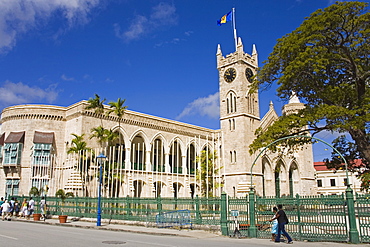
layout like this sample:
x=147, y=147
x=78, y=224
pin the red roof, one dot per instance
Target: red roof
x=320, y=166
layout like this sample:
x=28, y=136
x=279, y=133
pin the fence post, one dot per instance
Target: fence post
x=198, y=216
x=252, y=214
x=299, y=216
x=159, y=204
x=224, y=210
x=353, y=232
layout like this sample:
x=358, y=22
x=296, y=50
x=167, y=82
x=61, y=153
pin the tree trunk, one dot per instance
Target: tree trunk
x=363, y=144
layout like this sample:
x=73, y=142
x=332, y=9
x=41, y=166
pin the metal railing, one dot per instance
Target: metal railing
x=311, y=218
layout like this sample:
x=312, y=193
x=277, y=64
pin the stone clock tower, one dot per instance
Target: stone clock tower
x=239, y=116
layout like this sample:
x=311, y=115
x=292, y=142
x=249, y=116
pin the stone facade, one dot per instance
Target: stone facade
x=155, y=156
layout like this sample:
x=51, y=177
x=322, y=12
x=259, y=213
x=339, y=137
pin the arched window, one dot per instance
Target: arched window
x=227, y=105
x=231, y=102
x=234, y=102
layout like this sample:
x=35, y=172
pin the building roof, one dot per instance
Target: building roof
x=320, y=166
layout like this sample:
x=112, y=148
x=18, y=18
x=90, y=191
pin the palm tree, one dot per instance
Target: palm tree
x=111, y=136
x=78, y=144
x=100, y=134
x=97, y=105
x=119, y=110
x=79, y=147
x=207, y=172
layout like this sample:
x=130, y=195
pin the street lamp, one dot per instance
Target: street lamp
x=100, y=158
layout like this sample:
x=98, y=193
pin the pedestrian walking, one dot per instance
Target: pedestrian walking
x=16, y=208
x=11, y=203
x=282, y=221
x=1, y=203
x=6, y=210
x=43, y=207
x=24, y=210
x=31, y=206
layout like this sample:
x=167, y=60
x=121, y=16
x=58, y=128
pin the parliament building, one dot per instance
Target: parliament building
x=154, y=156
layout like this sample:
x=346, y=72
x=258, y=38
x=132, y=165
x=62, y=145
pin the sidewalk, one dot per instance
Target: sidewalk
x=116, y=225
x=89, y=223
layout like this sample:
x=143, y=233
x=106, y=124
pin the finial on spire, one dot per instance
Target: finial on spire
x=240, y=41
x=271, y=105
x=254, y=50
x=219, y=52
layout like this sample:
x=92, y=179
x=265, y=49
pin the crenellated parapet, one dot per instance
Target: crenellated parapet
x=239, y=56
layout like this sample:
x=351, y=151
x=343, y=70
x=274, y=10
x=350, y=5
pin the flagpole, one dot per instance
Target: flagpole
x=235, y=39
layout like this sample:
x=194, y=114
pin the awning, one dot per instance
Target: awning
x=2, y=138
x=43, y=137
x=15, y=137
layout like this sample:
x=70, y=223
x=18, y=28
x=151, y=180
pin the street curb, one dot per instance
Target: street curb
x=69, y=224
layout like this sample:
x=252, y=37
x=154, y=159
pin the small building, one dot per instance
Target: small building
x=333, y=182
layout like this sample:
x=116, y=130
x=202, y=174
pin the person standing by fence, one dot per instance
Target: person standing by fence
x=282, y=221
x=274, y=228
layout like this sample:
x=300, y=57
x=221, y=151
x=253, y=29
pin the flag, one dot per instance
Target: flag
x=225, y=18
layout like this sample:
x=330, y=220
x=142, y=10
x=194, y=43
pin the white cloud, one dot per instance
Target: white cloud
x=19, y=93
x=66, y=78
x=19, y=16
x=206, y=106
x=162, y=15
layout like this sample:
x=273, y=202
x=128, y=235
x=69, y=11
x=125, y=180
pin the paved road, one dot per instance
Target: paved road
x=23, y=233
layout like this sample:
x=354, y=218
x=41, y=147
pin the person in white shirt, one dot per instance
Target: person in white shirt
x=6, y=210
x=31, y=207
x=43, y=207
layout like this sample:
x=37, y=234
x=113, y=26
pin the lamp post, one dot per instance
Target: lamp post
x=46, y=190
x=100, y=158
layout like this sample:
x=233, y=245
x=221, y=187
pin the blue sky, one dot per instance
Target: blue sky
x=158, y=55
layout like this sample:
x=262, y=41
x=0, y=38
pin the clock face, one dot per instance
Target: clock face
x=230, y=74
x=248, y=74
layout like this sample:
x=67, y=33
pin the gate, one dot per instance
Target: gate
x=362, y=209
x=311, y=218
x=238, y=217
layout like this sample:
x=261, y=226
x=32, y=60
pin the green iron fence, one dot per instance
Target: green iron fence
x=312, y=218
x=204, y=211
x=362, y=208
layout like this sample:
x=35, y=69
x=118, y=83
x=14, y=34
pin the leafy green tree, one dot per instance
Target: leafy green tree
x=207, y=172
x=79, y=147
x=34, y=191
x=97, y=105
x=61, y=194
x=326, y=63
x=69, y=194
